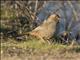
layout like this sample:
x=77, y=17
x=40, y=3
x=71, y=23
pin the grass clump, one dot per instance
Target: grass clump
x=36, y=44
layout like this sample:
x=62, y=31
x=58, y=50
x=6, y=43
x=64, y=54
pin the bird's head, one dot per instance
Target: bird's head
x=54, y=17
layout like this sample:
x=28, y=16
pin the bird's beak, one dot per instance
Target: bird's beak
x=58, y=21
x=58, y=18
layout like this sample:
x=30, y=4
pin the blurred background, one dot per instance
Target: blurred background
x=18, y=17
x=22, y=16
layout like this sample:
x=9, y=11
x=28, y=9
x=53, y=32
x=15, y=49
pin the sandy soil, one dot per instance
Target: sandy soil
x=29, y=54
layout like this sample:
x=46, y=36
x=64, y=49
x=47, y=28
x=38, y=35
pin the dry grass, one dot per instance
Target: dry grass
x=35, y=50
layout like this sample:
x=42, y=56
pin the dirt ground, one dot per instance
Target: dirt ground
x=31, y=54
x=41, y=57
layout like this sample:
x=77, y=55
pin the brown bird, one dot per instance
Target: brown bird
x=46, y=29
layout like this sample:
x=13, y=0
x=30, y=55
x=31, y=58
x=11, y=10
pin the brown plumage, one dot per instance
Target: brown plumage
x=47, y=29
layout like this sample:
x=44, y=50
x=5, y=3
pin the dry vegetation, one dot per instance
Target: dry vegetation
x=33, y=50
x=19, y=17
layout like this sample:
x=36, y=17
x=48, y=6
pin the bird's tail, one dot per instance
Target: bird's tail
x=29, y=33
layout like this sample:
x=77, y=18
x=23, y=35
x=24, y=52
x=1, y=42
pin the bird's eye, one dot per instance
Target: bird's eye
x=57, y=16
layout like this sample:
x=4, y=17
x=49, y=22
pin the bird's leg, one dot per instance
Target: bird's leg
x=48, y=41
x=42, y=40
